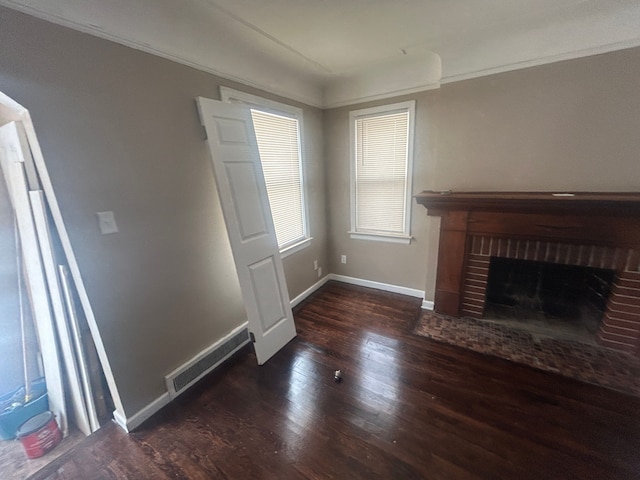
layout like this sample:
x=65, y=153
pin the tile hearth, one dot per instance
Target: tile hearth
x=582, y=361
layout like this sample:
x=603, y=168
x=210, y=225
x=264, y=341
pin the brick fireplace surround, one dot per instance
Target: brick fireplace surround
x=599, y=230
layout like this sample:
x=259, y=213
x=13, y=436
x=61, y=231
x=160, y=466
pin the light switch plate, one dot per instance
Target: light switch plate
x=107, y=222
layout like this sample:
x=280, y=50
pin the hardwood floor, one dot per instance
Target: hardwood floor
x=408, y=407
x=15, y=464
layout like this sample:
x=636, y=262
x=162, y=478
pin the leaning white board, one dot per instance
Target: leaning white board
x=70, y=357
x=12, y=157
x=11, y=110
x=79, y=348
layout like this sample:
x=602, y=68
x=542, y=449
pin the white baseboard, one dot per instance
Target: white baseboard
x=412, y=292
x=427, y=305
x=129, y=423
x=310, y=290
x=135, y=420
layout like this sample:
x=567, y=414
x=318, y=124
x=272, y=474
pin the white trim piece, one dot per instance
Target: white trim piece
x=313, y=100
x=76, y=276
x=33, y=268
x=230, y=95
x=12, y=111
x=8, y=104
x=80, y=404
x=329, y=99
x=427, y=305
x=310, y=290
x=406, y=240
x=416, y=70
x=262, y=104
x=169, y=377
x=29, y=167
x=120, y=420
x=134, y=421
x=387, y=287
x=296, y=247
x=509, y=67
x=65, y=282
x=370, y=98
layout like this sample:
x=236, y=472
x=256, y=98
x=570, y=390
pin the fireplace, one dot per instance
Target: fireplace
x=556, y=299
x=596, y=232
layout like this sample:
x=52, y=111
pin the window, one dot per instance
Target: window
x=277, y=127
x=381, y=169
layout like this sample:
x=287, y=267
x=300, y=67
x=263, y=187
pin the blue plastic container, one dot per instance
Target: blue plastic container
x=12, y=417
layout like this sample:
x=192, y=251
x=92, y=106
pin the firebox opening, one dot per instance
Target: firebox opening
x=561, y=299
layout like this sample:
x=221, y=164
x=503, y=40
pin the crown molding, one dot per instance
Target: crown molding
x=337, y=92
x=313, y=101
x=509, y=67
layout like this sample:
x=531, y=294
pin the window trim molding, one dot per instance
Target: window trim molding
x=231, y=95
x=378, y=237
x=405, y=237
x=295, y=247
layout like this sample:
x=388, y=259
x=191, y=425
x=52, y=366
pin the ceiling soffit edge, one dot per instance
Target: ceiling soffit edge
x=407, y=73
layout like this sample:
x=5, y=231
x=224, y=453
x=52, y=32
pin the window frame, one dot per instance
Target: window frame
x=410, y=107
x=256, y=102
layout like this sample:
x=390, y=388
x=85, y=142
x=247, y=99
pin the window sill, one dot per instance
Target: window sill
x=296, y=247
x=402, y=239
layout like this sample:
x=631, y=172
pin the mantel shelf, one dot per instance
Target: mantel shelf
x=610, y=203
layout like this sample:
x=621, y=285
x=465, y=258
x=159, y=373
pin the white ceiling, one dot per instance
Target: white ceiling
x=335, y=52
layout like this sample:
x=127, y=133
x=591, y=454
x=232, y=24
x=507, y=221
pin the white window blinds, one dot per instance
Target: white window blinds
x=381, y=170
x=279, y=145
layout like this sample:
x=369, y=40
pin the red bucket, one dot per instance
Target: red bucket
x=39, y=434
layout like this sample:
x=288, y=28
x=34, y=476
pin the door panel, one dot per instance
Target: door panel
x=264, y=279
x=232, y=131
x=250, y=212
x=245, y=206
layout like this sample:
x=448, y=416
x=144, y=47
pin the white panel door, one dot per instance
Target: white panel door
x=245, y=205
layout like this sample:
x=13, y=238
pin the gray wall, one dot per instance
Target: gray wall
x=567, y=126
x=119, y=131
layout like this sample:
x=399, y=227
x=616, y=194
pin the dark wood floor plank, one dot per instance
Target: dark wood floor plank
x=408, y=407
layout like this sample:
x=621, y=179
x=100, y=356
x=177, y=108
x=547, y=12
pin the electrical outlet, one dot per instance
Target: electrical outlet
x=315, y=264
x=343, y=259
x=319, y=272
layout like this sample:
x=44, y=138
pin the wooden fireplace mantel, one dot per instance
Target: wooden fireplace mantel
x=617, y=203
x=581, y=218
